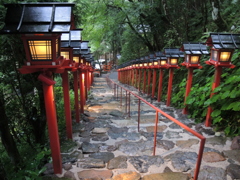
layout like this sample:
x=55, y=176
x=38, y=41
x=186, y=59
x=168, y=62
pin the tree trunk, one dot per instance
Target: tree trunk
x=39, y=125
x=216, y=16
x=6, y=137
x=3, y=175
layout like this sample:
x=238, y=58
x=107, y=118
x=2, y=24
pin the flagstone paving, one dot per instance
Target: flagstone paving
x=107, y=145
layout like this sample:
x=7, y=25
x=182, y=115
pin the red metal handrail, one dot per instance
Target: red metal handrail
x=202, y=138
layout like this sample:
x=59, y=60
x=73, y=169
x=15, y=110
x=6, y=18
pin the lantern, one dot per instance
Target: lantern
x=145, y=64
x=161, y=59
x=193, y=52
x=41, y=25
x=68, y=42
x=223, y=46
x=172, y=54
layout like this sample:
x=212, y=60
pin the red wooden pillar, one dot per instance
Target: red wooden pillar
x=139, y=78
x=133, y=77
x=67, y=107
x=90, y=79
x=144, y=80
x=75, y=77
x=82, y=91
x=154, y=82
x=169, y=86
x=119, y=74
x=52, y=121
x=85, y=84
x=128, y=75
x=217, y=78
x=160, y=85
x=136, y=79
x=149, y=81
x=125, y=79
x=188, y=88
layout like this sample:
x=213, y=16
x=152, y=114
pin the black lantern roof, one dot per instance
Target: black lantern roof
x=160, y=55
x=151, y=57
x=173, y=52
x=71, y=39
x=84, y=47
x=224, y=41
x=194, y=48
x=38, y=18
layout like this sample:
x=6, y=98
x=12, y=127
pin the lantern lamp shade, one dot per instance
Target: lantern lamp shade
x=192, y=59
x=173, y=54
x=172, y=61
x=221, y=55
x=163, y=62
x=223, y=46
x=65, y=54
x=76, y=59
x=161, y=58
x=41, y=48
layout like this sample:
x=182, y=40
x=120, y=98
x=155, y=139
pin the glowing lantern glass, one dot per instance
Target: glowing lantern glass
x=163, y=62
x=225, y=56
x=221, y=55
x=76, y=59
x=192, y=59
x=65, y=54
x=172, y=61
x=41, y=48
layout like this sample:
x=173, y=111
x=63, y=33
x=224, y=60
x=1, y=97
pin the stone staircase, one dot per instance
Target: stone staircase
x=108, y=146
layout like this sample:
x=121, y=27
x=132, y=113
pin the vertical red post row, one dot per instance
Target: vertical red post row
x=82, y=92
x=149, y=81
x=169, y=93
x=144, y=80
x=160, y=85
x=188, y=88
x=75, y=77
x=52, y=125
x=217, y=78
x=67, y=107
x=154, y=82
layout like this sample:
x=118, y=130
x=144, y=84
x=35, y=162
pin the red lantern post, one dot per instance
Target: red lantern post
x=193, y=52
x=223, y=46
x=41, y=39
x=172, y=54
x=162, y=60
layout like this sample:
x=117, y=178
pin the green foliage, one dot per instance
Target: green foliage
x=32, y=165
x=59, y=101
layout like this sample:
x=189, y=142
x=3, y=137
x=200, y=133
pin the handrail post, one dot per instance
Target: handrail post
x=155, y=134
x=126, y=103
x=199, y=160
x=121, y=98
x=139, y=103
x=129, y=104
x=117, y=91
